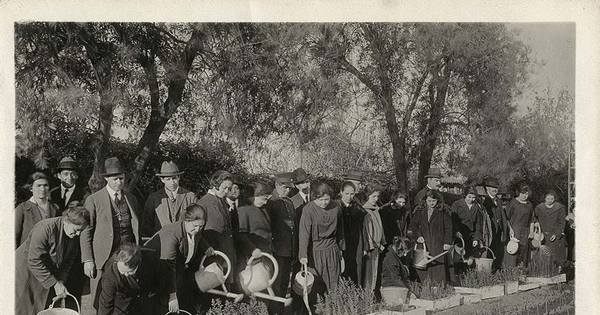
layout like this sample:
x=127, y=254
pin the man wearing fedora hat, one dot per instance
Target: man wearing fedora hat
x=68, y=191
x=232, y=200
x=356, y=177
x=114, y=221
x=496, y=212
x=166, y=205
x=69, y=194
x=433, y=183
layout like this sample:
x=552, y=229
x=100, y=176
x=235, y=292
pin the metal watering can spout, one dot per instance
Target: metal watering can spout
x=422, y=257
x=256, y=278
x=209, y=278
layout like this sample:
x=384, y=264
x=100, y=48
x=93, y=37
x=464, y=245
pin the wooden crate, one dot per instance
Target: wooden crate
x=528, y=286
x=415, y=311
x=487, y=292
x=439, y=304
x=548, y=280
x=468, y=298
x=511, y=287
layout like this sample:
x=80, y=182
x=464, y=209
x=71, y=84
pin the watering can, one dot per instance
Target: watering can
x=256, y=277
x=208, y=278
x=485, y=264
x=460, y=250
x=422, y=257
x=61, y=310
x=303, y=282
x=538, y=236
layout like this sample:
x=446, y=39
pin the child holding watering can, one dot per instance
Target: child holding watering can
x=431, y=226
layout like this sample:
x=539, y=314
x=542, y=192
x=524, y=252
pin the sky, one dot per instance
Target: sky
x=553, y=49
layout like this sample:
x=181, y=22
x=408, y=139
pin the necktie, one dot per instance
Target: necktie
x=118, y=198
x=64, y=197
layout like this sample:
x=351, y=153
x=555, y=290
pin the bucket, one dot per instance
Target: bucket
x=302, y=277
x=211, y=276
x=485, y=264
x=393, y=296
x=420, y=254
x=180, y=312
x=60, y=310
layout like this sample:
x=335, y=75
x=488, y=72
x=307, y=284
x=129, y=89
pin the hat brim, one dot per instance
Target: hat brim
x=168, y=174
x=111, y=174
x=433, y=176
x=352, y=178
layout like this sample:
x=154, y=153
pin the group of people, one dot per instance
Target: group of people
x=145, y=258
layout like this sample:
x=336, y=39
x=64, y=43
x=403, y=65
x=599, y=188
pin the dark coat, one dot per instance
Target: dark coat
x=353, y=221
x=283, y=225
x=218, y=231
x=299, y=204
x=436, y=231
x=156, y=209
x=171, y=244
x=395, y=221
x=394, y=269
x=79, y=194
x=125, y=295
x=97, y=238
x=27, y=214
x=469, y=222
x=500, y=231
x=254, y=230
x=552, y=222
x=42, y=260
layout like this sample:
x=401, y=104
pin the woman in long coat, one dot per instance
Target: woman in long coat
x=519, y=215
x=44, y=260
x=551, y=216
x=373, y=238
x=353, y=215
x=431, y=224
x=322, y=229
x=37, y=208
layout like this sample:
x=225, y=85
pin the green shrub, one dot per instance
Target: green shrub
x=430, y=290
x=347, y=299
x=242, y=308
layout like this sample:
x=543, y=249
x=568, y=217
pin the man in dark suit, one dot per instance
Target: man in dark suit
x=433, y=183
x=68, y=192
x=166, y=205
x=114, y=220
x=493, y=207
x=232, y=200
x=282, y=213
x=356, y=178
x=129, y=283
x=299, y=200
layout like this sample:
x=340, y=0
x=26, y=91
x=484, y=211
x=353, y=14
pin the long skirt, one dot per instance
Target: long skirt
x=371, y=263
x=327, y=262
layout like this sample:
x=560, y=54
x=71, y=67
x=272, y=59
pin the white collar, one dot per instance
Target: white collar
x=303, y=195
x=171, y=192
x=111, y=193
x=63, y=188
x=231, y=203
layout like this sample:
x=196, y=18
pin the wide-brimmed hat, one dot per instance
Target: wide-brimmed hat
x=169, y=168
x=112, y=166
x=284, y=179
x=354, y=175
x=434, y=173
x=492, y=182
x=299, y=175
x=67, y=163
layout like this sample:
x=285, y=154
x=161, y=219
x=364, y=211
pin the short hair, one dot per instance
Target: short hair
x=348, y=183
x=129, y=254
x=372, y=188
x=33, y=177
x=321, y=190
x=470, y=191
x=194, y=212
x=434, y=194
x=398, y=194
x=219, y=177
x=523, y=188
x=77, y=215
x=551, y=192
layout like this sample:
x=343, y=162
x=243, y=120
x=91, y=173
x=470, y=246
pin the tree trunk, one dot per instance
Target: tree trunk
x=398, y=143
x=438, y=89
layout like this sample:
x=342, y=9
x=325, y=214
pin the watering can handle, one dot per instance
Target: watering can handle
x=491, y=251
x=180, y=311
x=68, y=294
x=275, y=266
x=424, y=246
x=227, y=261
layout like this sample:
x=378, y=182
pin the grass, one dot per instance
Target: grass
x=543, y=268
x=348, y=299
x=477, y=279
x=513, y=273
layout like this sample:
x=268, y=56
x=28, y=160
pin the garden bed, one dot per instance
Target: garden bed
x=438, y=304
x=561, y=278
x=528, y=286
x=401, y=310
x=511, y=287
x=470, y=299
x=486, y=292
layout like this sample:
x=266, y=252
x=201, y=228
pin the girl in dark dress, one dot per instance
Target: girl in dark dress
x=551, y=216
x=353, y=215
x=519, y=214
x=394, y=216
x=432, y=225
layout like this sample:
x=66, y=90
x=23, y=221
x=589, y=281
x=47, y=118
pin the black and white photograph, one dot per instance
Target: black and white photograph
x=281, y=167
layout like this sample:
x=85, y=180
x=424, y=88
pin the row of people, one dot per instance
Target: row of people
x=347, y=237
